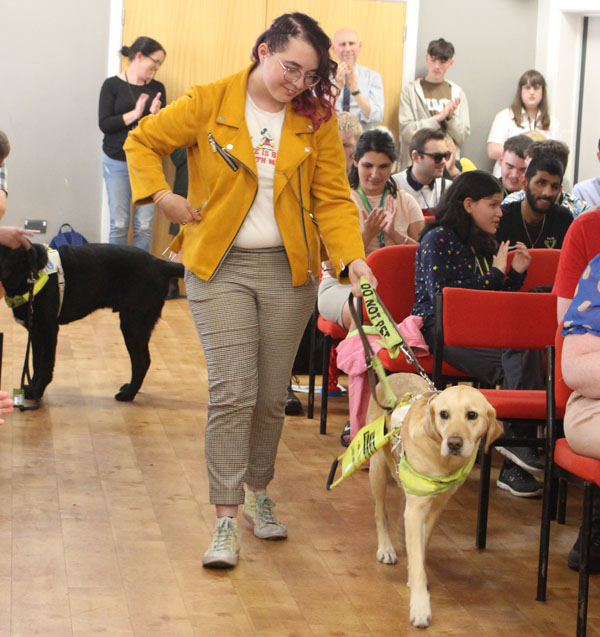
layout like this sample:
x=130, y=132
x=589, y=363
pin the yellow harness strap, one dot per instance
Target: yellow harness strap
x=21, y=299
x=416, y=483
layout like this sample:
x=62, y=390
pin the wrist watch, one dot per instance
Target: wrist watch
x=355, y=92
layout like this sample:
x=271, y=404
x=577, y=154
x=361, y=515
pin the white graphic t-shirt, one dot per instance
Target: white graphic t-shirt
x=260, y=229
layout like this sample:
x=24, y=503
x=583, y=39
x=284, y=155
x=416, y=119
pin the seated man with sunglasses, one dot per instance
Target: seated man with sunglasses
x=423, y=179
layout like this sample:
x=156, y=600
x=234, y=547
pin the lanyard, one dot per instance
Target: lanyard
x=369, y=209
x=487, y=267
x=434, y=192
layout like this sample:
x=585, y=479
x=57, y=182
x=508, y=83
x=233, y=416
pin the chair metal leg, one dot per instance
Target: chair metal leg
x=586, y=540
x=311, y=365
x=484, y=497
x=325, y=384
x=548, y=504
x=562, y=500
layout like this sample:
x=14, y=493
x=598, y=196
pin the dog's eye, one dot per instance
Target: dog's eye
x=444, y=415
x=472, y=415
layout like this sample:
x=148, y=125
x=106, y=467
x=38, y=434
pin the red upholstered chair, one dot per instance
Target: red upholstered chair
x=503, y=320
x=542, y=269
x=333, y=334
x=563, y=462
x=394, y=268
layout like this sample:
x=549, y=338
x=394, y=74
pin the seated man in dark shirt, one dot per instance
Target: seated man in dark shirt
x=537, y=221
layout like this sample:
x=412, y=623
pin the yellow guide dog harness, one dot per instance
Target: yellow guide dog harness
x=53, y=267
x=375, y=435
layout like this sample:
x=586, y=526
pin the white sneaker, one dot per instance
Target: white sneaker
x=258, y=509
x=225, y=547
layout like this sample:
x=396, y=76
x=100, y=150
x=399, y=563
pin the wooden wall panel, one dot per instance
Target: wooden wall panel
x=380, y=26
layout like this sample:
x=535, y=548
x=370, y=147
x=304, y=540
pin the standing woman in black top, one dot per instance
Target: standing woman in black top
x=124, y=100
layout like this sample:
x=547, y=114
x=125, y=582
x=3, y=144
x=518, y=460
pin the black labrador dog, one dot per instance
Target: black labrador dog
x=97, y=275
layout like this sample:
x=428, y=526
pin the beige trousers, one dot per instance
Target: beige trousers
x=250, y=320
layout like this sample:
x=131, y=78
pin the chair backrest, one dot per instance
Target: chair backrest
x=497, y=319
x=394, y=269
x=542, y=269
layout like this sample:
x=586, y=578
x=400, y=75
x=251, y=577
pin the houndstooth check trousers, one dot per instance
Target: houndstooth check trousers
x=250, y=320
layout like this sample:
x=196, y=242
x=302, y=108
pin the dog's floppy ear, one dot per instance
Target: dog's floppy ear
x=495, y=428
x=37, y=256
x=429, y=427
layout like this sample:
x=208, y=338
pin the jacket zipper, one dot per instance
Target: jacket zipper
x=230, y=160
x=309, y=272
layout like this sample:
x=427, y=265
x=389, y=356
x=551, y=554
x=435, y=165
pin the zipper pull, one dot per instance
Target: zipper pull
x=311, y=276
x=212, y=142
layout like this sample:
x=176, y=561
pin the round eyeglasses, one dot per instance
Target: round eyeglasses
x=293, y=75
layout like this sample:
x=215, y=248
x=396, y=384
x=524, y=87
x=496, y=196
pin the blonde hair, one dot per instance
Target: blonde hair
x=348, y=123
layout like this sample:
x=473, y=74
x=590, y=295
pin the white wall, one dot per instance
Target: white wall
x=495, y=43
x=590, y=129
x=53, y=63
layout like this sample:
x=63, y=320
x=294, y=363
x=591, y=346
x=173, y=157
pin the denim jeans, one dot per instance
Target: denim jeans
x=118, y=188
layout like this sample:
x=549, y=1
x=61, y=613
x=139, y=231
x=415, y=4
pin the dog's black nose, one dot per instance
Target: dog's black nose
x=455, y=443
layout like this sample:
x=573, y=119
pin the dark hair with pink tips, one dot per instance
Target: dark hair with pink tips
x=318, y=102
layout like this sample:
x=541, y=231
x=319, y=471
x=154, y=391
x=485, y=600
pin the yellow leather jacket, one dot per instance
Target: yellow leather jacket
x=313, y=157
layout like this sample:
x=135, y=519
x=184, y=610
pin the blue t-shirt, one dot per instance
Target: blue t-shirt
x=583, y=314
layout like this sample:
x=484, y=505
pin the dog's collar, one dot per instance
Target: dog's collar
x=416, y=483
x=54, y=266
x=21, y=299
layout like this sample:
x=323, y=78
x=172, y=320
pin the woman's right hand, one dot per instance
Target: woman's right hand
x=373, y=223
x=178, y=209
x=140, y=105
x=501, y=257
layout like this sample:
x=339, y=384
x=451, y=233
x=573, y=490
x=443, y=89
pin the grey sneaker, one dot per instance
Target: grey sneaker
x=527, y=458
x=225, y=546
x=519, y=482
x=258, y=509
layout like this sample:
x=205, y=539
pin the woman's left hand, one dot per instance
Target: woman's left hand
x=391, y=210
x=359, y=268
x=155, y=106
x=522, y=258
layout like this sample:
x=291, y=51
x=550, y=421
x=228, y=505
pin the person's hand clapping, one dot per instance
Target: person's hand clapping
x=373, y=223
x=156, y=103
x=522, y=258
x=501, y=257
x=140, y=104
x=390, y=211
x=340, y=75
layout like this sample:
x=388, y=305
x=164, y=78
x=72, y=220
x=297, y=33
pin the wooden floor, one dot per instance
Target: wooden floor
x=104, y=519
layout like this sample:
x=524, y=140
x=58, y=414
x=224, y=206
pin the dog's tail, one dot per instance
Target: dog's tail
x=172, y=269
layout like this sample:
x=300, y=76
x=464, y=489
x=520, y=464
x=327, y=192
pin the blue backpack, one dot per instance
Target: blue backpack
x=67, y=237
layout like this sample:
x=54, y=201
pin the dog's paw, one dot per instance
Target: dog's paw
x=420, y=611
x=387, y=555
x=126, y=393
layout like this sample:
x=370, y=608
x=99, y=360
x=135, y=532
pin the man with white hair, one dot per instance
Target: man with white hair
x=361, y=89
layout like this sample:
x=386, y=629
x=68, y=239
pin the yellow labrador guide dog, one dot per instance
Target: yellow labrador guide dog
x=430, y=458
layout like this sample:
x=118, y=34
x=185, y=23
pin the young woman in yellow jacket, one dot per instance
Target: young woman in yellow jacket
x=267, y=184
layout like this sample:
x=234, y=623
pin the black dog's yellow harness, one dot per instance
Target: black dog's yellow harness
x=53, y=267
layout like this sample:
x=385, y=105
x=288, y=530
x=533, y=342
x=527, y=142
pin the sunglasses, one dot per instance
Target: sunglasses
x=438, y=158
